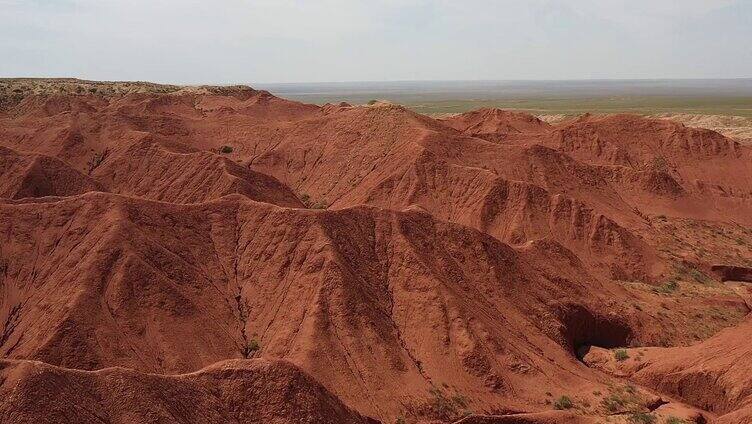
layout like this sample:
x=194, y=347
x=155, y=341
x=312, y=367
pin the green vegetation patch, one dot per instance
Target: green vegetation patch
x=621, y=355
x=563, y=402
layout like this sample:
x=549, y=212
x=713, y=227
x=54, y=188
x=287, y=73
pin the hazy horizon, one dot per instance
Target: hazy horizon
x=706, y=96
x=396, y=81
x=287, y=41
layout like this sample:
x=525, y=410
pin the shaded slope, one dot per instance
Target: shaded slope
x=181, y=175
x=517, y=212
x=77, y=127
x=633, y=140
x=385, y=308
x=378, y=306
x=338, y=158
x=393, y=158
x=663, y=167
x=699, y=159
x=29, y=175
x=257, y=391
x=712, y=375
x=155, y=146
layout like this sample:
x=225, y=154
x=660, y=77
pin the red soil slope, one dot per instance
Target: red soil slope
x=665, y=166
x=497, y=124
x=177, y=174
x=460, y=267
x=253, y=391
x=713, y=375
x=394, y=158
x=380, y=306
x=31, y=175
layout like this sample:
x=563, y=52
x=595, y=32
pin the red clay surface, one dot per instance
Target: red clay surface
x=230, y=256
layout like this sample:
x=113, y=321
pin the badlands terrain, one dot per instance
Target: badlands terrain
x=222, y=255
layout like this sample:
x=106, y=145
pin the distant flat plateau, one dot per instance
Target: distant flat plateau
x=700, y=96
x=724, y=105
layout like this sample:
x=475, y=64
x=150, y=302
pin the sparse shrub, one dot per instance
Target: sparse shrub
x=563, y=402
x=459, y=400
x=674, y=420
x=400, y=420
x=642, y=418
x=225, y=150
x=622, y=399
x=686, y=271
x=251, y=347
x=699, y=276
x=443, y=407
x=667, y=287
x=371, y=102
x=621, y=355
x=310, y=204
x=613, y=403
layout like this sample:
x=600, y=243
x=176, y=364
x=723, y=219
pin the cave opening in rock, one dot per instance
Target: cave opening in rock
x=583, y=328
x=733, y=273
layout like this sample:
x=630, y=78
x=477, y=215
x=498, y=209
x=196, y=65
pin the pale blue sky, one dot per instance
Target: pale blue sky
x=228, y=41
